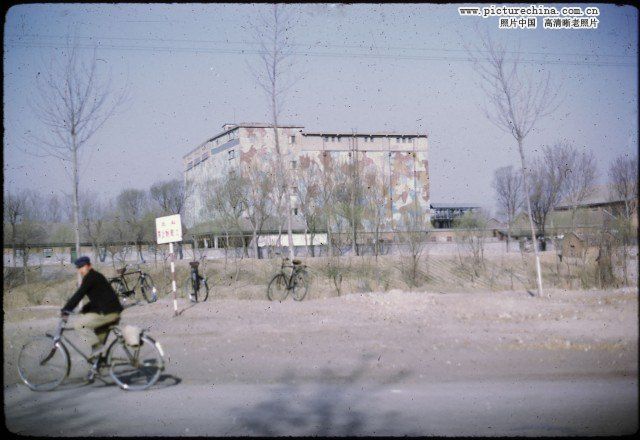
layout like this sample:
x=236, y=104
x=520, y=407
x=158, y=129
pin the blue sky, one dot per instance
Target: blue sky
x=414, y=78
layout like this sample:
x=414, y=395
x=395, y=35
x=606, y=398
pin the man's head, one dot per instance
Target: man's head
x=83, y=264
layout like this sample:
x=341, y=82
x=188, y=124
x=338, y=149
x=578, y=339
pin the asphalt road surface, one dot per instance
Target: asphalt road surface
x=588, y=406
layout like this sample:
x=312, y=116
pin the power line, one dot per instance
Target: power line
x=337, y=46
x=309, y=53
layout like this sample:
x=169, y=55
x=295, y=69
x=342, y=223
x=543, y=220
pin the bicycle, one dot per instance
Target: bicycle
x=297, y=283
x=196, y=284
x=121, y=287
x=44, y=361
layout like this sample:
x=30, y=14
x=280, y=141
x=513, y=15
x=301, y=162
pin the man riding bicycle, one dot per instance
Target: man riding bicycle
x=102, y=310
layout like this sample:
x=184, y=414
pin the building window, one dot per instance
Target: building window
x=295, y=211
x=338, y=138
x=398, y=140
x=293, y=139
x=366, y=139
x=325, y=138
x=294, y=164
x=232, y=154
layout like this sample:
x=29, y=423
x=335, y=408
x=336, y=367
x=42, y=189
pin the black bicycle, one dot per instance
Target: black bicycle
x=44, y=361
x=196, y=286
x=297, y=282
x=144, y=281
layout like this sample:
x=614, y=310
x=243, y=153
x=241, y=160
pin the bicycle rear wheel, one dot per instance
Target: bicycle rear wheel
x=277, y=289
x=148, y=289
x=135, y=368
x=300, y=284
x=43, y=364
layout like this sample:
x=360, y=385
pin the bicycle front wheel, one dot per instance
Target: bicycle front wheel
x=278, y=288
x=300, y=285
x=135, y=368
x=43, y=364
x=203, y=291
x=148, y=289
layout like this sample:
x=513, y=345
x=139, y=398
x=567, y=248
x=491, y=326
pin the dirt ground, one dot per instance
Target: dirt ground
x=385, y=341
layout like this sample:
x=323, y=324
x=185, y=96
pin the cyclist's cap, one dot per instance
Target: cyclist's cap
x=82, y=261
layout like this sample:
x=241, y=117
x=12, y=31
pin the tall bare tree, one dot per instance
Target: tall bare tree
x=273, y=32
x=508, y=184
x=517, y=101
x=73, y=102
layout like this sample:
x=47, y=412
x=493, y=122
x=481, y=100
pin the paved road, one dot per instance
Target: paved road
x=584, y=406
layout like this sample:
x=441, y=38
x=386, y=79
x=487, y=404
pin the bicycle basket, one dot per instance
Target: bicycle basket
x=131, y=335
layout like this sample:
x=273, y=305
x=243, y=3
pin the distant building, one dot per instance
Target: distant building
x=399, y=158
x=443, y=215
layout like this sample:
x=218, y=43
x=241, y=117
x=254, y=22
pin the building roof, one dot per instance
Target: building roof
x=370, y=134
x=259, y=125
x=235, y=127
x=600, y=195
x=454, y=206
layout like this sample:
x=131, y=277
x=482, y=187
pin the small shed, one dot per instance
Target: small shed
x=574, y=245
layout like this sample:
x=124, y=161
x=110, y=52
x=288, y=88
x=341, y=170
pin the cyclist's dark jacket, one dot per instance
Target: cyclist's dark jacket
x=102, y=298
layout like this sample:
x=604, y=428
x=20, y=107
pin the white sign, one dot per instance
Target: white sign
x=168, y=229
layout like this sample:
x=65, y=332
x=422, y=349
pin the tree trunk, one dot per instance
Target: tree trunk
x=533, y=231
x=76, y=205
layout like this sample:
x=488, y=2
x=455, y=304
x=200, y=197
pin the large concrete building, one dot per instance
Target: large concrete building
x=400, y=159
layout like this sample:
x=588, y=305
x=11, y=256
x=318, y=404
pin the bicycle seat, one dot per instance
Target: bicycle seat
x=297, y=262
x=121, y=271
x=194, y=264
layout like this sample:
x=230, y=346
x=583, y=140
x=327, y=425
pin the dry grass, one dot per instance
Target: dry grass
x=330, y=277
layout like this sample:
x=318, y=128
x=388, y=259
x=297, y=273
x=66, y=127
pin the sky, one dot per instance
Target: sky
x=389, y=67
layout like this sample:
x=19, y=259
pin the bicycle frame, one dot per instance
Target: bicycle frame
x=295, y=268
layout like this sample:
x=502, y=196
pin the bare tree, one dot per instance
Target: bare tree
x=273, y=32
x=14, y=210
x=580, y=178
x=376, y=196
x=549, y=182
x=517, y=102
x=255, y=188
x=132, y=208
x=224, y=202
x=93, y=214
x=308, y=192
x=623, y=177
x=171, y=195
x=508, y=184
x=73, y=104
x=412, y=232
x=29, y=229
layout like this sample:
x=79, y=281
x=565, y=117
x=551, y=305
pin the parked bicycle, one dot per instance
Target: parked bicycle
x=44, y=361
x=297, y=282
x=196, y=287
x=144, y=281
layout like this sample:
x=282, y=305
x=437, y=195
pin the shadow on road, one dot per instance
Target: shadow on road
x=335, y=406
